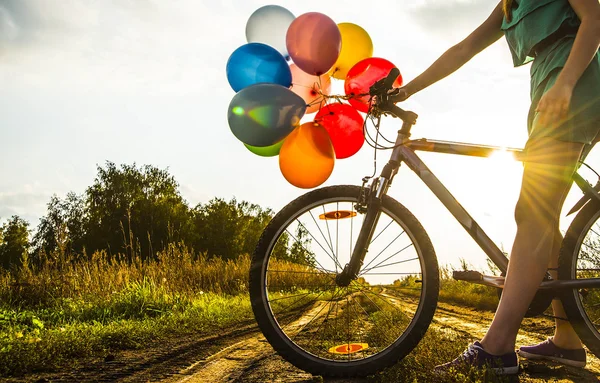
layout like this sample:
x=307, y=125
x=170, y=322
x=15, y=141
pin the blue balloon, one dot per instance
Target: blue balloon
x=264, y=114
x=254, y=63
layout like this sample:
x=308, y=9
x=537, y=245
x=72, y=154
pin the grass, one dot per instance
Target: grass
x=460, y=293
x=435, y=348
x=46, y=339
x=66, y=308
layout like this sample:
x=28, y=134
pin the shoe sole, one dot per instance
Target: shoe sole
x=568, y=362
x=506, y=370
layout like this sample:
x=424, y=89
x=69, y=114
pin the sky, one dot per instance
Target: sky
x=84, y=82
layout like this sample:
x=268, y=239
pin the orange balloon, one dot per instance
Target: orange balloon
x=307, y=157
x=310, y=87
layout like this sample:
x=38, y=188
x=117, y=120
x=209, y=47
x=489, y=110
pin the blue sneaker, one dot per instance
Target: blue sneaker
x=476, y=356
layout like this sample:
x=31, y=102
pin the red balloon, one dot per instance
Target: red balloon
x=364, y=74
x=314, y=42
x=345, y=127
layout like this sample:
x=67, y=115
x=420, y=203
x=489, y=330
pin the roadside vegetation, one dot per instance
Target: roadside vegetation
x=128, y=263
x=54, y=314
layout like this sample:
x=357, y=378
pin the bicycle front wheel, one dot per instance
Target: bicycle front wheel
x=580, y=259
x=332, y=330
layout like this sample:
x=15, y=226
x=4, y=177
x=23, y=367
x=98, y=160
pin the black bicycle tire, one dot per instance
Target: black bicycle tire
x=370, y=365
x=570, y=298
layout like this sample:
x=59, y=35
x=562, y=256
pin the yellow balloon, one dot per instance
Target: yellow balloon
x=307, y=157
x=356, y=46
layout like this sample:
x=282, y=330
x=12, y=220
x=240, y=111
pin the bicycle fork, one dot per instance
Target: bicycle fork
x=378, y=190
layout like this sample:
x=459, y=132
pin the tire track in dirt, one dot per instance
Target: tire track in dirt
x=475, y=323
x=242, y=354
x=254, y=360
x=232, y=363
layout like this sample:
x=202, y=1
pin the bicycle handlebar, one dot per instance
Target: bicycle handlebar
x=383, y=91
x=384, y=85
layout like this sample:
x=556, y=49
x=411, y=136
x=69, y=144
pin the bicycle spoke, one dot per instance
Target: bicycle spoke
x=291, y=296
x=348, y=325
x=329, y=235
x=391, y=264
x=306, y=324
x=374, y=304
x=322, y=234
x=591, y=247
x=310, y=252
x=290, y=305
x=387, y=259
x=319, y=243
x=381, y=232
x=403, y=288
x=322, y=272
x=386, y=300
x=351, y=229
x=337, y=233
x=298, y=285
x=414, y=273
x=389, y=244
x=362, y=323
x=326, y=316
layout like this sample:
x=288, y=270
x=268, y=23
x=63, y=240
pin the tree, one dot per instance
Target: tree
x=228, y=229
x=300, y=252
x=14, y=241
x=131, y=209
x=63, y=227
x=139, y=210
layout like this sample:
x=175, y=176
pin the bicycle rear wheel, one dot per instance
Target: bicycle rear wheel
x=580, y=259
x=334, y=330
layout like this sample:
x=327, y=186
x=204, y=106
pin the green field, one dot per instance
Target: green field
x=53, y=315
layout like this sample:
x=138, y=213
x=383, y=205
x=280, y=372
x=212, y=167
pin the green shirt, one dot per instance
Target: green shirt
x=529, y=37
x=533, y=21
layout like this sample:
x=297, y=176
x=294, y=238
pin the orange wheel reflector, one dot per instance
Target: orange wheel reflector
x=339, y=214
x=348, y=348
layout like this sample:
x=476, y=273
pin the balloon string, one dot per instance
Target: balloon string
x=304, y=86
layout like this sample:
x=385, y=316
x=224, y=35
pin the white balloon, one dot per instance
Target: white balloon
x=269, y=25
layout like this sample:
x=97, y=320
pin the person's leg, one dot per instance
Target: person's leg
x=564, y=334
x=546, y=179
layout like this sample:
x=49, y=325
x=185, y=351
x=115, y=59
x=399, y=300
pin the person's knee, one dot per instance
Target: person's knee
x=536, y=212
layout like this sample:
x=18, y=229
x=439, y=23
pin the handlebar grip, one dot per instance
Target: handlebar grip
x=391, y=77
x=383, y=85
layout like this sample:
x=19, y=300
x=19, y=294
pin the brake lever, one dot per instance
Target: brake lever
x=377, y=87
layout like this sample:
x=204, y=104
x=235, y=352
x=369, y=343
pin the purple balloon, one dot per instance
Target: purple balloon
x=314, y=42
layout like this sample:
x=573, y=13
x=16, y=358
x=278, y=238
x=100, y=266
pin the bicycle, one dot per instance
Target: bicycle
x=331, y=303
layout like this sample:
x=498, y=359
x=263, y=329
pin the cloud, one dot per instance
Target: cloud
x=26, y=203
x=9, y=30
x=130, y=46
x=451, y=19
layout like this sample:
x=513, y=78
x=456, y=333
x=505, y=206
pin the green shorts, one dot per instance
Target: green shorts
x=583, y=121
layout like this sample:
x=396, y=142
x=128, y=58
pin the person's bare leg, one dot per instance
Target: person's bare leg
x=564, y=334
x=546, y=179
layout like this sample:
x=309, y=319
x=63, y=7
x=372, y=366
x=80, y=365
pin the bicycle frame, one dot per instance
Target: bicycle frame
x=404, y=151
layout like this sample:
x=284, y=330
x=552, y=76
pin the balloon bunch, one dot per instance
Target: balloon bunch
x=285, y=72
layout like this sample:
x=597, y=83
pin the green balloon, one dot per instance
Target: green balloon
x=266, y=151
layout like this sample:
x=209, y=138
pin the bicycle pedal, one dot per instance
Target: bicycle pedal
x=467, y=275
x=476, y=277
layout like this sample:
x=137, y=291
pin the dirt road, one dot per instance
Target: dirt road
x=253, y=360
x=243, y=355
